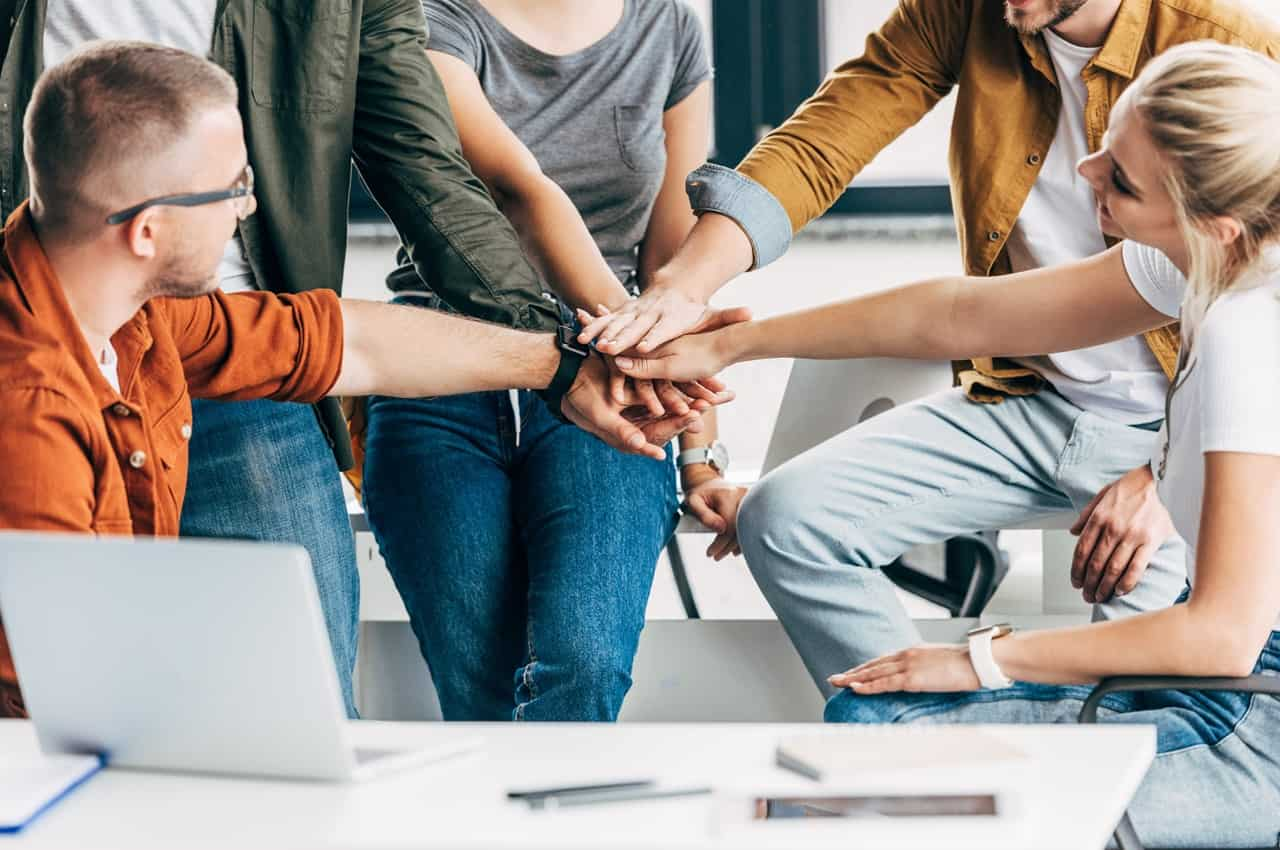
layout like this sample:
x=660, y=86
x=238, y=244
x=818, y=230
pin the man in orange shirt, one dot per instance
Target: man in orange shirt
x=111, y=320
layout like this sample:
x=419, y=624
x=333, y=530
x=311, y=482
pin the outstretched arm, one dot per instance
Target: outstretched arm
x=411, y=353
x=1046, y=310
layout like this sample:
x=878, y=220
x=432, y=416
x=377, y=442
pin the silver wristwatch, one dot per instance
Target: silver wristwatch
x=715, y=455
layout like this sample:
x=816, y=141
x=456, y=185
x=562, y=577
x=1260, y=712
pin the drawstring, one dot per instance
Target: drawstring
x=514, y=397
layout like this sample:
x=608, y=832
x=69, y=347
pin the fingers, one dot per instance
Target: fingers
x=627, y=330
x=700, y=391
x=1089, y=536
x=1099, y=562
x=592, y=326
x=663, y=431
x=647, y=393
x=1116, y=567
x=672, y=399
x=643, y=369
x=716, y=319
x=867, y=676
x=699, y=506
x=725, y=544
x=663, y=331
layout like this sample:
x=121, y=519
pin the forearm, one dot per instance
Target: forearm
x=912, y=322
x=552, y=227
x=716, y=251
x=1056, y=309
x=410, y=352
x=1177, y=641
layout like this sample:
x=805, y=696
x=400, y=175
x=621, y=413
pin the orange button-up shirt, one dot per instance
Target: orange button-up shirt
x=79, y=456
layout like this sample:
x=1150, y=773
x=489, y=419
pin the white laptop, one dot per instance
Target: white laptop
x=207, y=657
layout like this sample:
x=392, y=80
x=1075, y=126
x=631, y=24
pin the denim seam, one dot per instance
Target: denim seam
x=912, y=713
x=526, y=677
x=1213, y=745
x=968, y=486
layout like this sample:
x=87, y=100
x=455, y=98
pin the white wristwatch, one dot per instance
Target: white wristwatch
x=984, y=660
x=715, y=455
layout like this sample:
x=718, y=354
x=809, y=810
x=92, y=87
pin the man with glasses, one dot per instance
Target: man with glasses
x=111, y=318
x=323, y=83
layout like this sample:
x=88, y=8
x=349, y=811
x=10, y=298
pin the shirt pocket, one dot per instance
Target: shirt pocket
x=300, y=54
x=641, y=139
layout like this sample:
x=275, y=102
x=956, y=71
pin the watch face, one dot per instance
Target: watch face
x=718, y=456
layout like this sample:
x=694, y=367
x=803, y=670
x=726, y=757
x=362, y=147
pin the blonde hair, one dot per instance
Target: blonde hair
x=1214, y=113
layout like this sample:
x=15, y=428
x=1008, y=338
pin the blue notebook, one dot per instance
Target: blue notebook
x=30, y=786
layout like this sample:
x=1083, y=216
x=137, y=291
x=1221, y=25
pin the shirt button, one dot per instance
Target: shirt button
x=138, y=459
x=119, y=409
x=186, y=431
x=1034, y=159
x=994, y=236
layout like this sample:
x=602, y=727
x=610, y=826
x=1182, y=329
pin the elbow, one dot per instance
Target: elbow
x=521, y=189
x=1232, y=655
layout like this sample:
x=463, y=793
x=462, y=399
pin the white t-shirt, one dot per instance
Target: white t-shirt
x=109, y=365
x=184, y=24
x=1120, y=380
x=1228, y=396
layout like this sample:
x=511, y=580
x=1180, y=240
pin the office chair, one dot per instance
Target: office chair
x=824, y=398
x=1126, y=836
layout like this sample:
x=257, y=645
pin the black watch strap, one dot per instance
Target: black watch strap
x=572, y=355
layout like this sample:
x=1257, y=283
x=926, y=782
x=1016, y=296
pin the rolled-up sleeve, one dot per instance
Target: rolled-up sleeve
x=714, y=188
x=251, y=345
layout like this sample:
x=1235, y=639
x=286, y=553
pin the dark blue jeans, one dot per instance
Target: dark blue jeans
x=525, y=563
x=263, y=470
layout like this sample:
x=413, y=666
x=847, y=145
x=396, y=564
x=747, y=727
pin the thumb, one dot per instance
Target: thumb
x=716, y=319
x=641, y=367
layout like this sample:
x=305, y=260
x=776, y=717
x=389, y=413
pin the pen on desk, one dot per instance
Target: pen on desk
x=536, y=793
x=590, y=798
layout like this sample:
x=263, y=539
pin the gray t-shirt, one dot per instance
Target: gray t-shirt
x=592, y=119
x=184, y=24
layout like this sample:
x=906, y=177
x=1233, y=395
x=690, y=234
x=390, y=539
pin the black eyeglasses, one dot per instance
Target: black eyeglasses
x=241, y=193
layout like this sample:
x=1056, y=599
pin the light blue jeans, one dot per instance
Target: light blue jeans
x=263, y=470
x=815, y=530
x=1216, y=777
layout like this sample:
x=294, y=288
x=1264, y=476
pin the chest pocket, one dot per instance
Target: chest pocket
x=641, y=139
x=300, y=54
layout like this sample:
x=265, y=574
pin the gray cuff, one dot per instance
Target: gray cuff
x=714, y=188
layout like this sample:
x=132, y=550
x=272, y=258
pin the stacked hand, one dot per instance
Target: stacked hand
x=624, y=420
x=930, y=668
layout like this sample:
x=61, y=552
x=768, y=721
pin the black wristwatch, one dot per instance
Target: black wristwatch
x=572, y=355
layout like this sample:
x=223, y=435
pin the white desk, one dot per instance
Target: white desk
x=1078, y=781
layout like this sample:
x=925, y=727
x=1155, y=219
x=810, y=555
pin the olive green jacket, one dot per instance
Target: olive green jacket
x=323, y=84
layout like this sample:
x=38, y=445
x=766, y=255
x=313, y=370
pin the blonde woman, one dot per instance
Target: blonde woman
x=1190, y=176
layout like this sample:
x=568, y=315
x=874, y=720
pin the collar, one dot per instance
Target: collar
x=1123, y=47
x=38, y=283
x=1121, y=50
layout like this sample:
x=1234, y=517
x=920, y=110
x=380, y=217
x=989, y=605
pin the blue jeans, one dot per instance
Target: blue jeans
x=816, y=530
x=263, y=470
x=524, y=555
x=1215, y=781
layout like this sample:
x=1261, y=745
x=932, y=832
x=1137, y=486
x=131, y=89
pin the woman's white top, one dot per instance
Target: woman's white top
x=1228, y=393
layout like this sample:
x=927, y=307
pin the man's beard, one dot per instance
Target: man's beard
x=177, y=279
x=1061, y=11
